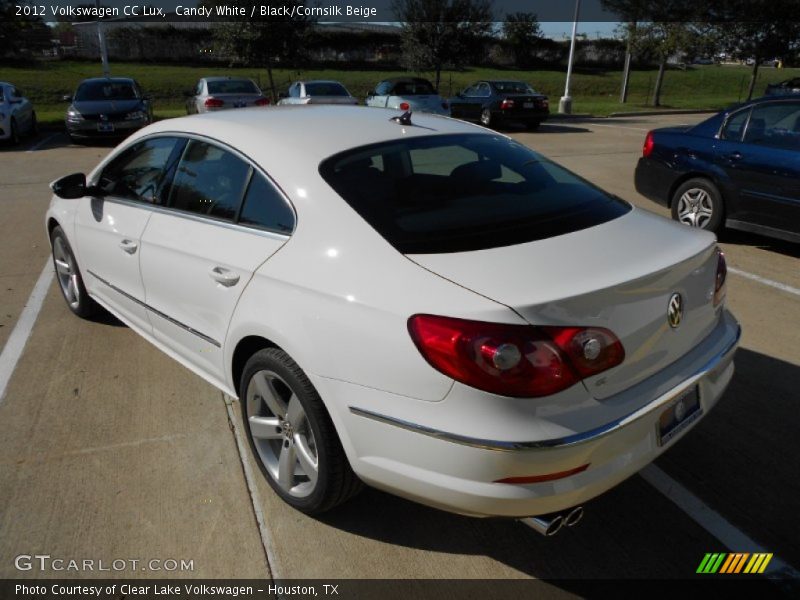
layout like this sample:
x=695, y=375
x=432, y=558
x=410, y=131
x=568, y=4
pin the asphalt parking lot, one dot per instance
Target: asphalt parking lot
x=110, y=450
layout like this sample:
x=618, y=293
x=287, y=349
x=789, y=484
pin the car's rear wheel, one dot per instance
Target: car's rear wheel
x=69, y=276
x=698, y=203
x=486, y=118
x=292, y=436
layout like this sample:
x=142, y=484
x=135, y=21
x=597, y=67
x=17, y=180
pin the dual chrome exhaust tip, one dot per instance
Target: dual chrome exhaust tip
x=549, y=525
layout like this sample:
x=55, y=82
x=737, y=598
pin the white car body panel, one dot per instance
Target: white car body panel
x=336, y=297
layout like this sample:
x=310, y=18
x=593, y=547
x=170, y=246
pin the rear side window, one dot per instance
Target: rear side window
x=457, y=193
x=734, y=128
x=209, y=181
x=137, y=173
x=776, y=125
x=265, y=208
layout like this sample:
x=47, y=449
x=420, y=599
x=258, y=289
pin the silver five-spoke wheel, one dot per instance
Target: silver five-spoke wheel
x=695, y=208
x=282, y=434
x=66, y=272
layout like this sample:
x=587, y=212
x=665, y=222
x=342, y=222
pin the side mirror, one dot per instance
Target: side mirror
x=66, y=98
x=70, y=187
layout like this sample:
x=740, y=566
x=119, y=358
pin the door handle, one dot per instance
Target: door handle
x=735, y=156
x=128, y=246
x=223, y=276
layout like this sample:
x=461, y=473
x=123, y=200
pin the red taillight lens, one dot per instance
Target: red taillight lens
x=404, y=106
x=649, y=144
x=213, y=103
x=722, y=275
x=262, y=102
x=506, y=104
x=514, y=360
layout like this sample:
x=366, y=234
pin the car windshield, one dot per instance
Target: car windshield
x=512, y=87
x=413, y=88
x=456, y=193
x=232, y=86
x=325, y=89
x=105, y=90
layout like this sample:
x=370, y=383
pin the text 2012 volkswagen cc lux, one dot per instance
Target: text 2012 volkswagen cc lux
x=415, y=303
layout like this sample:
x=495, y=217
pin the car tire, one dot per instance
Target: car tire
x=13, y=138
x=69, y=277
x=486, y=118
x=288, y=425
x=698, y=203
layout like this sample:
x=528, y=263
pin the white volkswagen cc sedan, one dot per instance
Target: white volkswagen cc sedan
x=416, y=303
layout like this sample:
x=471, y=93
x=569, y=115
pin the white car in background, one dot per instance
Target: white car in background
x=422, y=305
x=17, y=116
x=408, y=93
x=317, y=92
x=212, y=94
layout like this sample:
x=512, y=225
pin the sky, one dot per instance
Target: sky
x=562, y=30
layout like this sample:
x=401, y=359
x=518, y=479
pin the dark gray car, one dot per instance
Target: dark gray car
x=107, y=107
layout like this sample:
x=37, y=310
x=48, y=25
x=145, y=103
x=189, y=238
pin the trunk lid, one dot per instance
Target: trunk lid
x=237, y=100
x=332, y=100
x=619, y=275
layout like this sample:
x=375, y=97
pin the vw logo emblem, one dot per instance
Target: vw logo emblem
x=675, y=310
x=680, y=411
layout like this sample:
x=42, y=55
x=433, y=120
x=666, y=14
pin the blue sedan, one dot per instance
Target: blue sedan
x=738, y=169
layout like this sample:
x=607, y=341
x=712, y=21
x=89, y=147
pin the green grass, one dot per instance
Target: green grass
x=594, y=92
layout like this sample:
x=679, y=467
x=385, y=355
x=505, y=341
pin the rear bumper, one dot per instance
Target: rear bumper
x=654, y=180
x=438, y=459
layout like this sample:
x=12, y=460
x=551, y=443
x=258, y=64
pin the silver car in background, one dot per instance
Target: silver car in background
x=222, y=93
x=408, y=93
x=16, y=114
x=317, y=92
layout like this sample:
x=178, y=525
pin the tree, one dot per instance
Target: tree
x=666, y=39
x=631, y=12
x=522, y=32
x=21, y=35
x=776, y=33
x=263, y=40
x=437, y=33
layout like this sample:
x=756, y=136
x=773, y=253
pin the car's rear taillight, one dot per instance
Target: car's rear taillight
x=505, y=104
x=522, y=361
x=721, y=277
x=214, y=103
x=404, y=106
x=262, y=102
x=649, y=144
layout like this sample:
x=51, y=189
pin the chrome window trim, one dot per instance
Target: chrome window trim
x=155, y=311
x=713, y=366
x=172, y=211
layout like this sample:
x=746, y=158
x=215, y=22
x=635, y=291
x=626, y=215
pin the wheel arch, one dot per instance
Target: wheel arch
x=686, y=177
x=245, y=348
x=52, y=223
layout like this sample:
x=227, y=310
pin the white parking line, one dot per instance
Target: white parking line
x=42, y=143
x=22, y=330
x=713, y=522
x=776, y=284
x=255, y=498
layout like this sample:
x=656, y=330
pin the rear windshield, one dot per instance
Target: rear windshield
x=456, y=193
x=232, y=86
x=513, y=87
x=413, y=88
x=326, y=89
x=92, y=91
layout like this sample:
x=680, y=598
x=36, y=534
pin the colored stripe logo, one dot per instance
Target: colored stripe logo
x=736, y=562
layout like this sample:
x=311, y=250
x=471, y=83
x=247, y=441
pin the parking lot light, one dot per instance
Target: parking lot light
x=565, y=104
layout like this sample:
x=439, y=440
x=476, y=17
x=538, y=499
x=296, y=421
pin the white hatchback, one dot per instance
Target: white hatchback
x=419, y=304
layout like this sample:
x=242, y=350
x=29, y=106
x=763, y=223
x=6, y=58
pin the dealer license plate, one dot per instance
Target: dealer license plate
x=682, y=411
x=105, y=127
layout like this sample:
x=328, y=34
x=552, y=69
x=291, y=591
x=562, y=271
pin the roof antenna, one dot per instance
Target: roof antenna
x=404, y=119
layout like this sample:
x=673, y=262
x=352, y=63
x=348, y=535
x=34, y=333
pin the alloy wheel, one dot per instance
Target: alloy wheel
x=695, y=208
x=66, y=272
x=282, y=434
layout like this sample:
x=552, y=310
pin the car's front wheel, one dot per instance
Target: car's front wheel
x=69, y=276
x=292, y=435
x=698, y=203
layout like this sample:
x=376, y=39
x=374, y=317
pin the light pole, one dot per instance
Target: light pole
x=565, y=104
x=101, y=38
